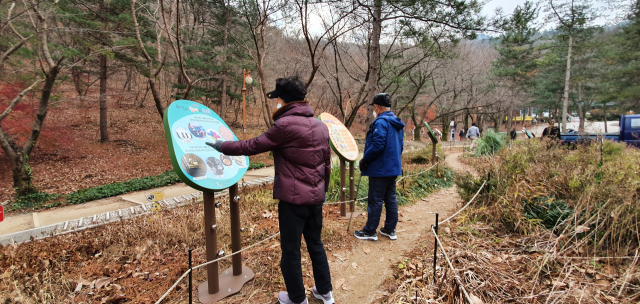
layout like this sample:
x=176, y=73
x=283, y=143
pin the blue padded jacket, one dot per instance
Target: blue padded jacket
x=384, y=145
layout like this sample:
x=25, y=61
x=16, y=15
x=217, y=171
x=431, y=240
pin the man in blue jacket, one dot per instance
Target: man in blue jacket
x=382, y=164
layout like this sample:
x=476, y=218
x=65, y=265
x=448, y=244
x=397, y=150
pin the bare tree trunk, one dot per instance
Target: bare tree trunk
x=266, y=111
x=482, y=123
x=445, y=128
x=156, y=96
x=417, y=126
x=76, y=76
x=22, y=175
x=104, y=135
x=567, y=81
x=604, y=109
x=374, y=58
x=580, y=109
x=509, y=117
x=223, y=97
x=466, y=120
x=141, y=104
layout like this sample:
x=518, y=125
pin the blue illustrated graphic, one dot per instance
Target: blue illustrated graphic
x=197, y=164
x=197, y=130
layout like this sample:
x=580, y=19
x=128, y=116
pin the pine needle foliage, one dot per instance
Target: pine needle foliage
x=489, y=144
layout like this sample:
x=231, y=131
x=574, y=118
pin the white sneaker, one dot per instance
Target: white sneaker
x=326, y=299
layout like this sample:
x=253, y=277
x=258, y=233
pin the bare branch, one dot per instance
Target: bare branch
x=16, y=100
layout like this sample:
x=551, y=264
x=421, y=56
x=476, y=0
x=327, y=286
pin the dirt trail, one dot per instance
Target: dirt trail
x=358, y=273
x=453, y=161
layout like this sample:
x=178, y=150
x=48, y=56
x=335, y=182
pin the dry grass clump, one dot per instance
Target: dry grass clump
x=496, y=268
x=137, y=260
x=591, y=206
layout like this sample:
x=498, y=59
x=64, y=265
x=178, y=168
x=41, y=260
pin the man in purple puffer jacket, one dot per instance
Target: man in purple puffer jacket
x=300, y=145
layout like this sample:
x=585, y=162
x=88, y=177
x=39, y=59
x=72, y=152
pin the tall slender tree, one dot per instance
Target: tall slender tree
x=572, y=16
x=517, y=61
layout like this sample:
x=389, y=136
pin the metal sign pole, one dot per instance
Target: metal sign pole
x=343, y=189
x=352, y=186
x=231, y=280
x=435, y=251
x=211, y=239
x=235, y=229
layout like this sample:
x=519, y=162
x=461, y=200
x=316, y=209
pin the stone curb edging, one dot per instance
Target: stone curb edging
x=111, y=216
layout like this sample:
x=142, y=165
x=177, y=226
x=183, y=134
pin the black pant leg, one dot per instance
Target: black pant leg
x=312, y=232
x=291, y=220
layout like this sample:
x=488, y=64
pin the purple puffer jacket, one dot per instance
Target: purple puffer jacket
x=300, y=145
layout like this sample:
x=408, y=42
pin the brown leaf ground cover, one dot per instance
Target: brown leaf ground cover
x=537, y=260
x=137, y=260
x=499, y=268
x=69, y=157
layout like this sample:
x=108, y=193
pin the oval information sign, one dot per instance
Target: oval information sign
x=432, y=135
x=188, y=126
x=341, y=140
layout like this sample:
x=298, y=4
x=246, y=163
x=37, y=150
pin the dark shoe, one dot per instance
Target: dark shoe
x=283, y=298
x=391, y=234
x=326, y=298
x=365, y=236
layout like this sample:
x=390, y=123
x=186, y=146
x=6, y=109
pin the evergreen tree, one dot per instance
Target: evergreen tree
x=621, y=63
x=517, y=62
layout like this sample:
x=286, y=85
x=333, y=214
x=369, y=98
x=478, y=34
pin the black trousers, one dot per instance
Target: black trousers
x=296, y=221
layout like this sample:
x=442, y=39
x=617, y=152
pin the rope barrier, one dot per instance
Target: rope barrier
x=212, y=261
x=422, y=172
x=258, y=243
x=456, y=277
x=469, y=203
x=237, y=252
x=363, y=198
x=174, y=286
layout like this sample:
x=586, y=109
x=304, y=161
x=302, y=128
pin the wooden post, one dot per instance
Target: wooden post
x=433, y=153
x=352, y=186
x=435, y=251
x=234, y=201
x=211, y=241
x=343, y=189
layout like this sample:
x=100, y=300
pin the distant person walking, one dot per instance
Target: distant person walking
x=302, y=160
x=461, y=134
x=381, y=162
x=473, y=133
x=513, y=134
x=452, y=126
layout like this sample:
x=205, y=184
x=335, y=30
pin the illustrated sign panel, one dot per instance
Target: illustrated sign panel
x=188, y=126
x=433, y=137
x=341, y=140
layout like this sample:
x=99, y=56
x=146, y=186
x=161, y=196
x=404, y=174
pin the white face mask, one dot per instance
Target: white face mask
x=375, y=115
x=278, y=106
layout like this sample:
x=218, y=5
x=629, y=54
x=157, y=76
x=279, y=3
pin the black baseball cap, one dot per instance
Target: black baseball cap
x=382, y=99
x=289, y=89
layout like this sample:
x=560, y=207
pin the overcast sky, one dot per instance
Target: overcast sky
x=509, y=5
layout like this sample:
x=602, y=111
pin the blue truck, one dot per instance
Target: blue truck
x=629, y=133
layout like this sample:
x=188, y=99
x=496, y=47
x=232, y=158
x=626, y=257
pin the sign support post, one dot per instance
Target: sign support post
x=232, y=279
x=352, y=186
x=343, y=189
x=434, y=142
x=345, y=146
x=236, y=242
x=190, y=128
x=211, y=240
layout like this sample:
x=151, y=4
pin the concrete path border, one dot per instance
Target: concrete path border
x=112, y=216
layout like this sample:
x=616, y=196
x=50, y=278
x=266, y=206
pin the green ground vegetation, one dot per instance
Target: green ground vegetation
x=587, y=198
